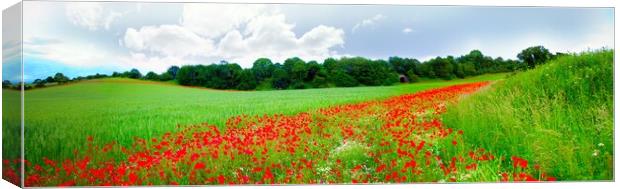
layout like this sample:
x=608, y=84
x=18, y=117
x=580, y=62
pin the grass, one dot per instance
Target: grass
x=559, y=115
x=60, y=118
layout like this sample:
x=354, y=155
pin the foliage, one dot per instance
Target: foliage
x=534, y=56
x=295, y=73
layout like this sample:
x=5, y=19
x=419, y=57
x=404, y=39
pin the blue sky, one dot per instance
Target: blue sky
x=88, y=38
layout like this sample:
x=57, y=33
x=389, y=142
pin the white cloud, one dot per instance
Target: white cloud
x=232, y=44
x=321, y=38
x=73, y=53
x=407, y=30
x=168, y=40
x=271, y=37
x=146, y=63
x=368, y=22
x=270, y=33
x=213, y=20
x=242, y=39
x=90, y=15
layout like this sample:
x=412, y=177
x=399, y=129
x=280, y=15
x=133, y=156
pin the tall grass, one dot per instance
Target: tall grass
x=558, y=115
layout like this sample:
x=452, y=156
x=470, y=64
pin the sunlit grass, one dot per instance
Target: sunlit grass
x=559, y=115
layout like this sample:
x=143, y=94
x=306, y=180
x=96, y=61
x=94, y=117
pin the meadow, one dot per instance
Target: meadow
x=559, y=115
x=552, y=122
x=59, y=119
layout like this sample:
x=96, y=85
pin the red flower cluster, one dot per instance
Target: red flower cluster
x=393, y=140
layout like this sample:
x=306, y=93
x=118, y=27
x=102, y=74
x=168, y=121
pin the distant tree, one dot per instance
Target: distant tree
x=296, y=69
x=442, y=67
x=50, y=79
x=330, y=64
x=25, y=87
x=475, y=57
x=165, y=76
x=412, y=76
x=342, y=79
x=39, y=83
x=280, y=78
x=134, y=74
x=247, y=80
x=173, y=70
x=6, y=84
x=187, y=75
x=402, y=65
x=60, y=78
x=262, y=68
x=151, y=76
x=313, y=68
x=295, y=73
x=468, y=68
x=459, y=71
x=230, y=73
x=534, y=56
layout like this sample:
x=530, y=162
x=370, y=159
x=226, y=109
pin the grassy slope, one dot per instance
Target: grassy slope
x=559, y=115
x=58, y=119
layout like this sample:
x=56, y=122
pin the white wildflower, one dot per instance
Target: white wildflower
x=596, y=152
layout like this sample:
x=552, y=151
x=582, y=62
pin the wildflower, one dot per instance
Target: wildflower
x=221, y=179
x=596, y=153
x=380, y=168
x=268, y=175
x=519, y=162
x=199, y=165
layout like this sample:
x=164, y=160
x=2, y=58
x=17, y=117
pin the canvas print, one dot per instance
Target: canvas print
x=140, y=93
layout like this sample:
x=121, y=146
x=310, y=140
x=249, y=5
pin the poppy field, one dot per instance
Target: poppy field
x=396, y=140
x=481, y=129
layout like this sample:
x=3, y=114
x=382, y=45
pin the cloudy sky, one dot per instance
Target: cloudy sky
x=87, y=38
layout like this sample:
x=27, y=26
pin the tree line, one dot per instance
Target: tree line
x=295, y=73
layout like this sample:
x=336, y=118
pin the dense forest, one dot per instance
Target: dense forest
x=295, y=73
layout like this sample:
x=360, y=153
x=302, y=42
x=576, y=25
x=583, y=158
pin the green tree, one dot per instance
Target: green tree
x=49, y=79
x=134, y=74
x=247, y=80
x=39, y=83
x=165, y=76
x=151, y=76
x=173, y=70
x=533, y=56
x=468, y=68
x=60, y=78
x=6, y=84
x=442, y=67
x=330, y=64
x=313, y=68
x=458, y=71
x=342, y=79
x=412, y=76
x=280, y=78
x=262, y=68
x=296, y=68
x=187, y=75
